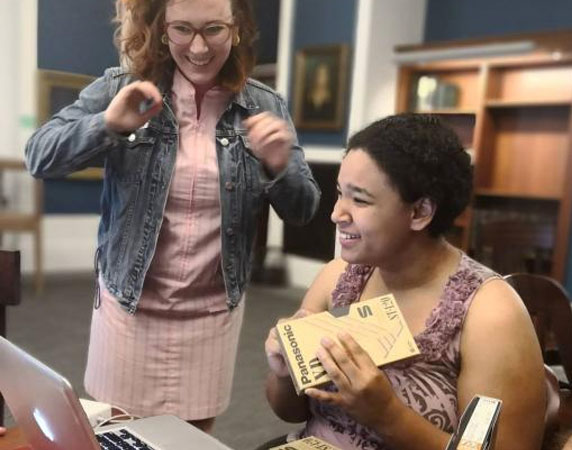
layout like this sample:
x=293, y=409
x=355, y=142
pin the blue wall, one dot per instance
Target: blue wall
x=267, y=14
x=75, y=36
x=460, y=19
x=322, y=22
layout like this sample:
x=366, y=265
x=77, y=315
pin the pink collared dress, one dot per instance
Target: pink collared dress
x=176, y=354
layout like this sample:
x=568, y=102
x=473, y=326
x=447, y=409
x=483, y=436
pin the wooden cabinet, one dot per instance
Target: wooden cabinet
x=514, y=115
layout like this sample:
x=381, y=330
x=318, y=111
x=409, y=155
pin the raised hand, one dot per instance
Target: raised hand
x=363, y=390
x=274, y=354
x=271, y=140
x=133, y=105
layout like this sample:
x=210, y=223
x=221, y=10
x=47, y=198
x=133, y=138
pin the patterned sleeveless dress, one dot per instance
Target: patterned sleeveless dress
x=426, y=383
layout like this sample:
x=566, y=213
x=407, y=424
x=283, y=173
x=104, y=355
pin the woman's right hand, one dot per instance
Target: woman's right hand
x=123, y=115
x=2, y=431
x=274, y=354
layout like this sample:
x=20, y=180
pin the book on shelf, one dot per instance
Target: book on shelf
x=431, y=93
x=376, y=324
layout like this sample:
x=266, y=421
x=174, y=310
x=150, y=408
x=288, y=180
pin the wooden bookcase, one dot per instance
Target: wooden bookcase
x=515, y=115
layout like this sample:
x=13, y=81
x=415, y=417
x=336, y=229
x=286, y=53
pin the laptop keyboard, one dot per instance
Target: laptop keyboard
x=120, y=440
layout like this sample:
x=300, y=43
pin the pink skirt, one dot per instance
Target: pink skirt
x=163, y=362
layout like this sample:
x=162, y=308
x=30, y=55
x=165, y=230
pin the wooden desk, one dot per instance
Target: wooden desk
x=13, y=440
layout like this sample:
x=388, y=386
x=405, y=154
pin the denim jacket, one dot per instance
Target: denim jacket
x=138, y=172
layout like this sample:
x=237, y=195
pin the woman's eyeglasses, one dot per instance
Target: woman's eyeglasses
x=183, y=33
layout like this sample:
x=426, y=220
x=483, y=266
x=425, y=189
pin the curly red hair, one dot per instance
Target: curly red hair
x=140, y=26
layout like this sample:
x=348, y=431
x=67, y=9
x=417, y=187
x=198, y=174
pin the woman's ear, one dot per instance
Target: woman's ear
x=422, y=213
x=235, y=37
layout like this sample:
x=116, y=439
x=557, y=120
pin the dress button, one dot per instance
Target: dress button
x=229, y=231
x=229, y=185
x=224, y=142
x=131, y=137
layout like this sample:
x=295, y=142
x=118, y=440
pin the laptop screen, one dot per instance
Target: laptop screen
x=43, y=403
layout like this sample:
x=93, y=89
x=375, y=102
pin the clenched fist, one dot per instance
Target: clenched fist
x=133, y=106
x=271, y=140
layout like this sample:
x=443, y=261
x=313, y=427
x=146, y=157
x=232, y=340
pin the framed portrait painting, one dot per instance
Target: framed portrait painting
x=320, y=87
x=58, y=89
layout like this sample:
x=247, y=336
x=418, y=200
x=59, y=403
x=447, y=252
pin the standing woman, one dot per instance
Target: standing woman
x=191, y=149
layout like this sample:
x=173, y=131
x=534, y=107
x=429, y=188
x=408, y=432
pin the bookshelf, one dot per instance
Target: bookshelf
x=514, y=115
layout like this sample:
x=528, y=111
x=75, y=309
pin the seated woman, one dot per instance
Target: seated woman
x=402, y=183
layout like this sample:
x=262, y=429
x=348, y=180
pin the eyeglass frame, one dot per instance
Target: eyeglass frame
x=231, y=27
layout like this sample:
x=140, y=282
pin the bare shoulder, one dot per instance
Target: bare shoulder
x=496, y=303
x=318, y=297
x=500, y=357
x=498, y=317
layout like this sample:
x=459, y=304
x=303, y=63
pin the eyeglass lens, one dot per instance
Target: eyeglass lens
x=183, y=34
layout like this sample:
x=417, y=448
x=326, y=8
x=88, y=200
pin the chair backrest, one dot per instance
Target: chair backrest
x=548, y=304
x=509, y=246
x=11, y=220
x=9, y=294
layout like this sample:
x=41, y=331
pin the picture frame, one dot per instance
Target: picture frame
x=320, y=92
x=57, y=89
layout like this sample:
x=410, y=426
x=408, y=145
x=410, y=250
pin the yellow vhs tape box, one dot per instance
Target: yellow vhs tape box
x=309, y=443
x=376, y=324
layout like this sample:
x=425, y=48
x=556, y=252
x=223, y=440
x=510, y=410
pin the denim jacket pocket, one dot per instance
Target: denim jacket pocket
x=128, y=164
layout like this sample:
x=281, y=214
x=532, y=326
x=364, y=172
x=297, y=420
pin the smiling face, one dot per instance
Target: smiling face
x=372, y=220
x=199, y=61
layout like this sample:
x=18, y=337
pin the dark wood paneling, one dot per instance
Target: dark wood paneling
x=317, y=239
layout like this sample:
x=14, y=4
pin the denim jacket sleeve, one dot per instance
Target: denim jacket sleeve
x=75, y=137
x=293, y=193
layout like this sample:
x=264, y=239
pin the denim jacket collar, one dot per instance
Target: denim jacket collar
x=245, y=100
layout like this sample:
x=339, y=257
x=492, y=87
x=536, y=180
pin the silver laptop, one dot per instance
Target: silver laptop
x=48, y=412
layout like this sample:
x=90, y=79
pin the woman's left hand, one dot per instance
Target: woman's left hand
x=363, y=390
x=271, y=140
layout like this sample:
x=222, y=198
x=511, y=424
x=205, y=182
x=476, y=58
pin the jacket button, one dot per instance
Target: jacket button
x=229, y=186
x=229, y=231
x=224, y=142
x=131, y=137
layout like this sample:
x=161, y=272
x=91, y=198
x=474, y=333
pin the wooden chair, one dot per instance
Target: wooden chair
x=548, y=304
x=9, y=293
x=510, y=246
x=25, y=222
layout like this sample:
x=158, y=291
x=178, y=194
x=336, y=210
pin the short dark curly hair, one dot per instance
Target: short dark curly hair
x=423, y=158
